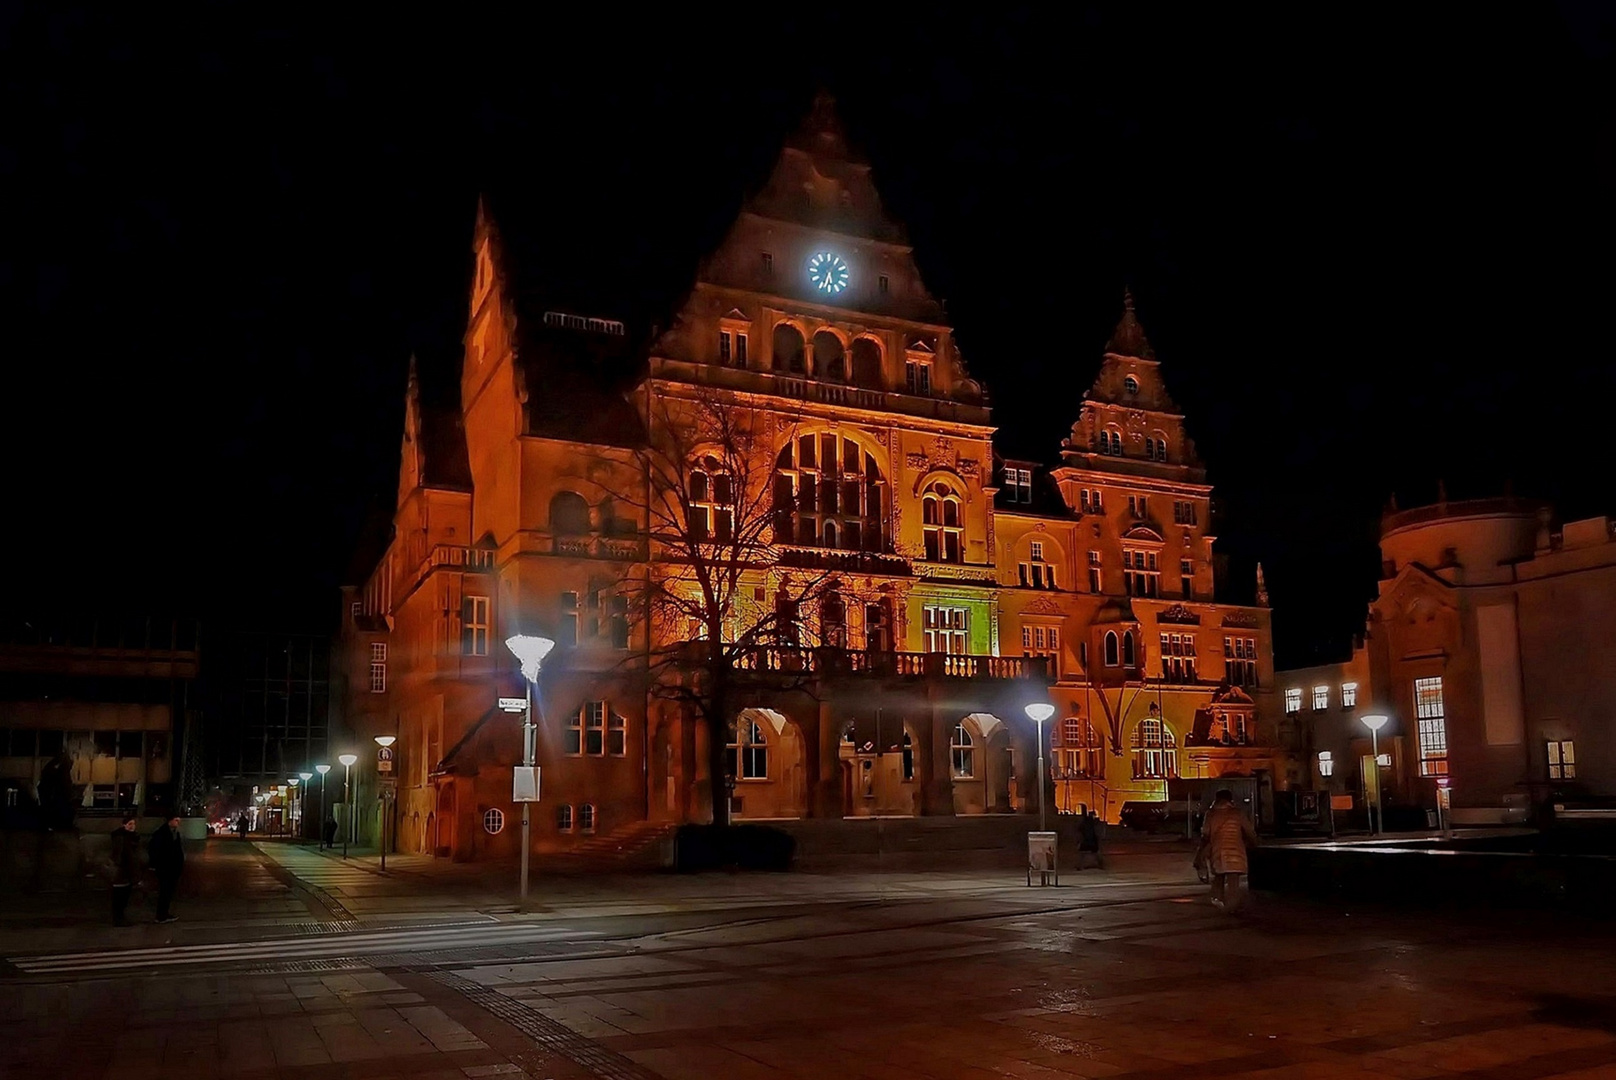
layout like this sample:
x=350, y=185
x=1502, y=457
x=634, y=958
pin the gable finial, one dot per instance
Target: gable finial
x=1262, y=588
x=1129, y=339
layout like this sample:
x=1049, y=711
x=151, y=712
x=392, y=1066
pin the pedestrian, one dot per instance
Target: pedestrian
x=123, y=851
x=166, y=856
x=1089, y=840
x=1225, y=835
x=242, y=825
x=329, y=835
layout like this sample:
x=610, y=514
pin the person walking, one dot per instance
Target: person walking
x=1225, y=835
x=1089, y=840
x=242, y=825
x=123, y=851
x=166, y=855
x=329, y=834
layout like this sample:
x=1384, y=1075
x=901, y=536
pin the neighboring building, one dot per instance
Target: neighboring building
x=111, y=701
x=1488, y=648
x=270, y=703
x=964, y=589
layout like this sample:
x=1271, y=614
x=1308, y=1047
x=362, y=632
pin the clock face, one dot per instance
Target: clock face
x=828, y=273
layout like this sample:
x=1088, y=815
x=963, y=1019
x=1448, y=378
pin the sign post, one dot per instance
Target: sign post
x=386, y=782
x=1041, y=858
x=530, y=652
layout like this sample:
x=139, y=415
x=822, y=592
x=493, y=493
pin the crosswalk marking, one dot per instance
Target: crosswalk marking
x=295, y=948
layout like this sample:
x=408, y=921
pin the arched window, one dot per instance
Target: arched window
x=833, y=621
x=1155, y=751
x=1156, y=447
x=586, y=818
x=1116, y=442
x=828, y=492
x=711, y=501
x=962, y=753
x=747, y=758
x=564, y=818
x=867, y=364
x=1129, y=659
x=1131, y=385
x=569, y=514
x=878, y=626
x=1080, y=749
x=1110, y=648
x=830, y=360
x=941, y=523
x=788, y=348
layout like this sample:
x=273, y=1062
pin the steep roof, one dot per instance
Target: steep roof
x=1129, y=339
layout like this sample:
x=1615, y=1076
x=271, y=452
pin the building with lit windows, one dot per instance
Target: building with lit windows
x=953, y=588
x=1487, y=650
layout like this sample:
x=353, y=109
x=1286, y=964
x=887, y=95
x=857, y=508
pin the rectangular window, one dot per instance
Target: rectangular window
x=1349, y=695
x=723, y=347
x=619, y=622
x=945, y=629
x=740, y=350
x=1240, y=660
x=1178, y=657
x=1186, y=578
x=1023, y=481
x=1141, y=572
x=1037, y=550
x=1184, y=513
x=883, y=284
x=573, y=738
x=1321, y=697
x=1431, y=715
x=1562, y=757
x=378, y=667
x=567, y=622
x=1043, y=641
x=616, y=735
x=917, y=378
x=1139, y=506
x=474, y=626
x=1094, y=571
x=1293, y=700
x=768, y=263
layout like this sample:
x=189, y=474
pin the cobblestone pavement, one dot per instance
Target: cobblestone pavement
x=288, y=963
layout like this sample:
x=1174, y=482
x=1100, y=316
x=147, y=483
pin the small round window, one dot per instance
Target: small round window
x=1131, y=384
x=494, y=820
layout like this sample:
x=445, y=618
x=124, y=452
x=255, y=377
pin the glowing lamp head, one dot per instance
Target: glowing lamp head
x=292, y=782
x=348, y=760
x=322, y=769
x=386, y=740
x=1374, y=721
x=305, y=776
x=530, y=652
x=1039, y=711
x=1326, y=763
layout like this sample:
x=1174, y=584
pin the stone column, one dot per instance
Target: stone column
x=937, y=785
x=825, y=778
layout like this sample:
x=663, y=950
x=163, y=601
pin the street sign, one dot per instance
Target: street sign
x=513, y=704
x=384, y=761
x=1041, y=857
x=525, y=783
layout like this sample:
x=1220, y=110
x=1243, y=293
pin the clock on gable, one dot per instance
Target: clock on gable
x=827, y=272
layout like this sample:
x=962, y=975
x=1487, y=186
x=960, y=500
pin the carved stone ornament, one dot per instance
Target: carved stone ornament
x=1243, y=619
x=970, y=469
x=917, y=462
x=1043, y=605
x=1178, y=613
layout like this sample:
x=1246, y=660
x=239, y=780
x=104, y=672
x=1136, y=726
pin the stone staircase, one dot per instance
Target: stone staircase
x=638, y=845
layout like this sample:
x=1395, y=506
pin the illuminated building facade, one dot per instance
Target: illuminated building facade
x=1486, y=649
x=962, y=587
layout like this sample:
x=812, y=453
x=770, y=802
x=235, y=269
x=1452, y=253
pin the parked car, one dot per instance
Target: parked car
x=1156, y=817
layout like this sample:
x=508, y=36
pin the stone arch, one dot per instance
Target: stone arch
x=868, y=362
x=988, y=786
x=569, y=514
x=782, y=789
x=790, y=349
x=831, y=475
x=830, y=355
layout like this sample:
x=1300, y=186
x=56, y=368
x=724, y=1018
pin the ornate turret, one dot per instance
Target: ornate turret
x=1129, y=339
x=1262, y=588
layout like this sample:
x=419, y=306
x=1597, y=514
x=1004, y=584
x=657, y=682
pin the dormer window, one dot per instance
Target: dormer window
x=768, y=264
x=1018, y=485
x=1111, y=441
x=1131, y=385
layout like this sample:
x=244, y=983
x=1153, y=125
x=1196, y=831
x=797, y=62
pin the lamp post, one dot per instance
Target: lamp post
x=293, y=805
x=385, y=741
x=303, y=807
x=348, y=761
x=1374, y=722
x=322, y=770
x=530, y=652
x=1038, y=712
x=1326, y=770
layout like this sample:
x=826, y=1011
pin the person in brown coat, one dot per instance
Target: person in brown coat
x=1225, y=835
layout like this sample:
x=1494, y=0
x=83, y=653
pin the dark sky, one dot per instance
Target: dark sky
x=1372, y=247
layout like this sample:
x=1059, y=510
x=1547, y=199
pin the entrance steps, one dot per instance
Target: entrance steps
x=632, y=846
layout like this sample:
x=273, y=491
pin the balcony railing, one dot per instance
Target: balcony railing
x=831, y=661
x=861, y=562
x=599, y=547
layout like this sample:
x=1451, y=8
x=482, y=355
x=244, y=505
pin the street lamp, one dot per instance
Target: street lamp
x=303, y=806
x=1374, y=722
x=322, y=770
x=384, y=741
x=530, y=652
x=348, y=761
x=1326, y=770
x=1038, y=712
x=292, y=803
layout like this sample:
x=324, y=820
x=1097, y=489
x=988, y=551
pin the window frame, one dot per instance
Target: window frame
x=1430, y=716
x=378, y=667
x=1293, y=700
x=1321, y=697
x=948, y=626
x=961, y=754
x=474, y=626
x=1560, y=757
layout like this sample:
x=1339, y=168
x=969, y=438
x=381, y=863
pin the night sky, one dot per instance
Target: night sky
x=1372, y=248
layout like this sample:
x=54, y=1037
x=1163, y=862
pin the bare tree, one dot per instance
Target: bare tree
x=709, y=509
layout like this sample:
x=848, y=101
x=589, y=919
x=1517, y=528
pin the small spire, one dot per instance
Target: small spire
x=1262, y=588
x=412, y=385
x=1441, y=492
x=1129, y=339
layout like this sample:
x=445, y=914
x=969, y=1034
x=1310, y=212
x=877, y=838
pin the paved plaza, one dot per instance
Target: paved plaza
x=291, y=963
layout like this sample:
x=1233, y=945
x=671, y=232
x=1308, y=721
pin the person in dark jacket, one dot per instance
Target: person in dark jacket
x=124, y=853
x=242, y=825
x=330, y=831
x=166, y=854
x=1089, y=840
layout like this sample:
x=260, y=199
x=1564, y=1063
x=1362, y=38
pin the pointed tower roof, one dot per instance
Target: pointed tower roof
x=1129, y=339
x=822, y=135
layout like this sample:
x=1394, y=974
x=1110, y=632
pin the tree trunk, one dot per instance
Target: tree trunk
x=717, y=742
